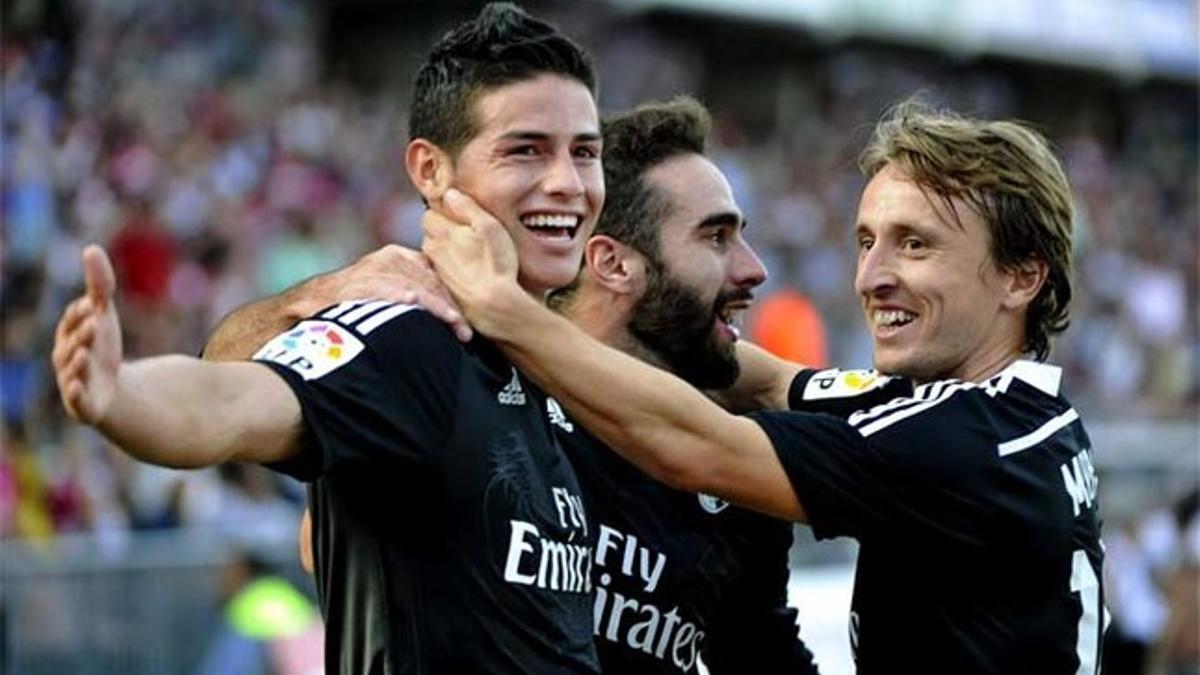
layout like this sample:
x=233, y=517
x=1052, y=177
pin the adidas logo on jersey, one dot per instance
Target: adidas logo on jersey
x=557, y=416
x=512, y=393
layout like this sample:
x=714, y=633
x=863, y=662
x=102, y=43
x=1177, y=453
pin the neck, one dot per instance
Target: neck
x=985, y=369
x=981, y=366
x=605, y=317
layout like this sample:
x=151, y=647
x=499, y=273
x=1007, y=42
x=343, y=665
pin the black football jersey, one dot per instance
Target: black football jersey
x=450, y=534
x=682, y=580
x=975, y=509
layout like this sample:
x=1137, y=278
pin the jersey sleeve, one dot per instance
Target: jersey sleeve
x=376, y=381
x=755, y=631
x=844, y=484
x=841, y=392
x=912, y=465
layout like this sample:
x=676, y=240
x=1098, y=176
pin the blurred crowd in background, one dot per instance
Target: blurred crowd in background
x=225, y=151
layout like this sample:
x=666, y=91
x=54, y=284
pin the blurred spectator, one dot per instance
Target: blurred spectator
x=268, y=628
x=1181, y=640
x=786, y=324
x=1139, y=609
x=143, y=256
x=297, y=254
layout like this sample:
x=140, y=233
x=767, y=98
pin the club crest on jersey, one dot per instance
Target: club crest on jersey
x=837, y=383
x=713, y=505
x=312, y=349
x=512, y=393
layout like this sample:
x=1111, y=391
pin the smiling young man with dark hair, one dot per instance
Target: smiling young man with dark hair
x=450, y=531
x=960, y=468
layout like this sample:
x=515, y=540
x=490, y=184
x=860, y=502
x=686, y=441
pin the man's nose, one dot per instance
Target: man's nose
x=563, y=177
x=876, y=271
x=748, y=269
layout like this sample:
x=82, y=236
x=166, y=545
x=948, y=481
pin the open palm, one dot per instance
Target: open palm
x=87, y=343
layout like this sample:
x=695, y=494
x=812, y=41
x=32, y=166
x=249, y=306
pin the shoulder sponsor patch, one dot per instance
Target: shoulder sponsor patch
x=313, y=348
x=836, y=383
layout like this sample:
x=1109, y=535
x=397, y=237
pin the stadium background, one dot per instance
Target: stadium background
x=223, y=151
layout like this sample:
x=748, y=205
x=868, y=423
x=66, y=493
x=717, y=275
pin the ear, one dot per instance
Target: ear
x=615, y=266
x=430, y=168
x=1025, y=281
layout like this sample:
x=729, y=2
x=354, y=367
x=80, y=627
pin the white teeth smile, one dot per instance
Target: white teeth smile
x=549, y=220
x=892, y=317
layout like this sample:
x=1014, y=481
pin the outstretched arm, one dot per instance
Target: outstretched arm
x=654, y=419
x=390, y=273
x=170, y=410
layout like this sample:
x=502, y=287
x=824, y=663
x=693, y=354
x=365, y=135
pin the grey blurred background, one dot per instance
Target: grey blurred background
x=223, y=151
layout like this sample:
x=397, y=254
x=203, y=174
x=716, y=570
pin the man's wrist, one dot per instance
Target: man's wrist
x=506, y=309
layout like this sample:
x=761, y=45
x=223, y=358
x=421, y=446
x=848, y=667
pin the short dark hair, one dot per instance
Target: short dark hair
x=635, y=142
x=1008, y=174
x=501, y=45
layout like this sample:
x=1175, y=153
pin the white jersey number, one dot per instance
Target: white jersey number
x=1087, y=641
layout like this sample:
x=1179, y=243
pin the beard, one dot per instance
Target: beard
x=674, y=322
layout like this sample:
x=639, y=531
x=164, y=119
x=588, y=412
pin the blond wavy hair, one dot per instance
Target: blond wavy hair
x=1006, y=172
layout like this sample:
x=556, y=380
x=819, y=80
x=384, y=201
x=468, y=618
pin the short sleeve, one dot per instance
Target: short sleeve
x=847, y=487
x=915, y=466
x=376, y=382
x=842, y=392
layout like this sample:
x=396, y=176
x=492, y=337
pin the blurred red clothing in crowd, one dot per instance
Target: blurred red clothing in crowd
x=144, y=257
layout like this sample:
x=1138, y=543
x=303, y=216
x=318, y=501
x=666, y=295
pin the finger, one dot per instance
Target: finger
x=98, y=273
x=437, y=226
x=77, y=368
x=81, y=337
x=71, y=393
x=480, y=220
x=76, y=403
x=459, y=205
x=410, y=256
x=85, y=335
x=72, y=315
x=62, y=330
x=71, y=386
x=447, y=311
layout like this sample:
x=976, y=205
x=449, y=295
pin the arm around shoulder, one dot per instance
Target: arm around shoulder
x=659, y=422
x=389, y=273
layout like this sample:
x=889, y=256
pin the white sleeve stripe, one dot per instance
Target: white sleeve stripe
x=382, y=318
x=920, y=396
x=340, y=308
x=1043, y=432
x=361, y=312
x=889, y=420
